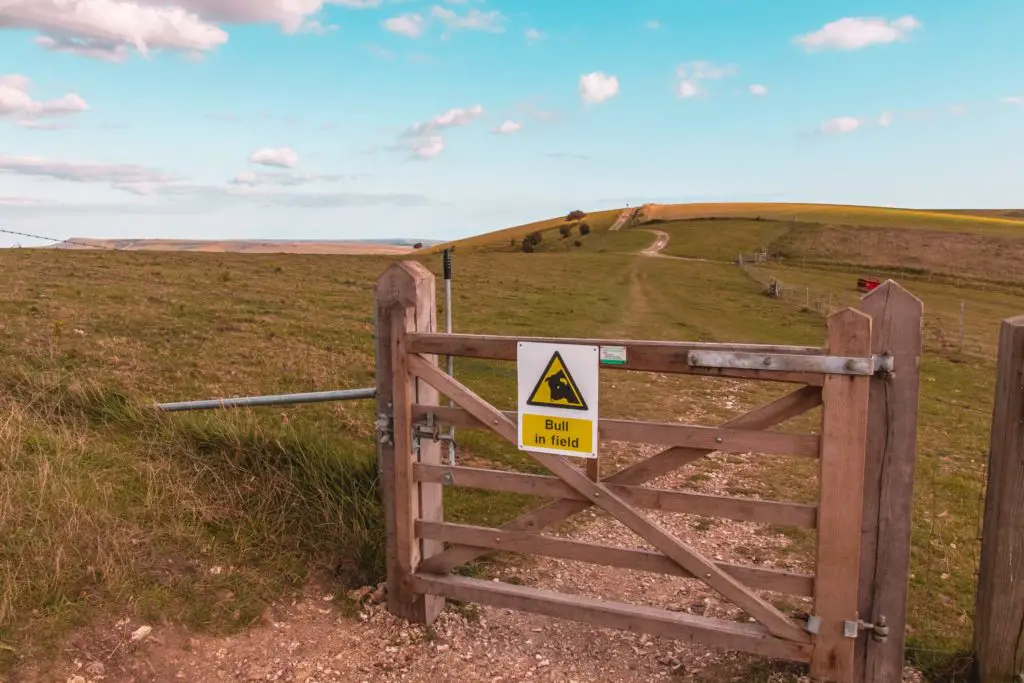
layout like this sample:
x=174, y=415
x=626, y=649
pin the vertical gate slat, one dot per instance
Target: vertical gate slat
x=844, y=437
x=896, y=329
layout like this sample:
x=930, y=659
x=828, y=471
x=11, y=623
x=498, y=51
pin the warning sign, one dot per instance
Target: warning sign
x=558, y=386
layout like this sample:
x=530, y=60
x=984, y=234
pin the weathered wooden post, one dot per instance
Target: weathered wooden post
x=999, y=611
x=405, y=303
x=843, y=441
x=897, y=331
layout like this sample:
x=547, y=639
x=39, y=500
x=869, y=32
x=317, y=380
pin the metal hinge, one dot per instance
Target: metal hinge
x=852, y=629
x=385, y=428
x=879, y=631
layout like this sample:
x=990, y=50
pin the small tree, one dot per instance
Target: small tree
x=584, y=229
x=536, y=238
x=512, y=242
x=578, y=243
x=565, y=230
x=576, y=215
x=527, y=247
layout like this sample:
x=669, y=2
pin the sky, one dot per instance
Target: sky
x=366, y=119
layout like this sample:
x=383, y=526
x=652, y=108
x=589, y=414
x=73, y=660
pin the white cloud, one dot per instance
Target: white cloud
x=85, y=47
x=533, y=36
x=508, y=127
x=886, y=119
x=474, y=20
x=429, y=147
x=424, y=140
x=687, y=90
x=458, y=116
x=95, y=27
x=758, y=90
x=258, y=179
x=17, y=104
x=597, y=87
x=841, y=125
x=409, y=25
x=1013, y=99
x=280, y=158
x=128, y=177
x=692, y=73
x=855, y=33
x=653, y=24
x=106, y=29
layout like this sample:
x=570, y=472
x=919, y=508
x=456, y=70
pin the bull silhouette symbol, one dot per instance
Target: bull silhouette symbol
x=560, y=389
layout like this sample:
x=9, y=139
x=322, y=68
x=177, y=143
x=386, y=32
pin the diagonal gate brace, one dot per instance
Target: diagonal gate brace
x=770, y=414
x=777, y=623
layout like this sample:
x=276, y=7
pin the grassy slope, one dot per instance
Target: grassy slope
x=96, y=493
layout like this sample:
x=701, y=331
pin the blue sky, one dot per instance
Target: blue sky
x=358, y=119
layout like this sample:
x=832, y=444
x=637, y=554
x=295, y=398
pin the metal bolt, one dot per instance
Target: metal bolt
x=767, y=361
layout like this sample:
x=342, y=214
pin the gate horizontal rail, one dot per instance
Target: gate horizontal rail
x=649, y=356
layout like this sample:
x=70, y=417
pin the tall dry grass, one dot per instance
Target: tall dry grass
x=200, y=518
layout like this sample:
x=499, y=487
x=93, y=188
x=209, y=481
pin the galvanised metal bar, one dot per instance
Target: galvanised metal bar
x=275, y=400
x=830, y=365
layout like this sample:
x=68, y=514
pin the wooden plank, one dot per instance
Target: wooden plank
x=770, y=414
x=699, y=437
x=727, y=507
x=843, y=444
x=398, y=292
x=896, y=330
x=687, y=628
x=777, y=623
x=760, y=578
x=999, y=613
x=654, y=356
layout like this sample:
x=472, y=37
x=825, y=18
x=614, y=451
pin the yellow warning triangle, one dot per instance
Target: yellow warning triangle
x=556, y=388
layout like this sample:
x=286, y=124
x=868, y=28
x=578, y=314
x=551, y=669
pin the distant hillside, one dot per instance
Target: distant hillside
x=383, y=246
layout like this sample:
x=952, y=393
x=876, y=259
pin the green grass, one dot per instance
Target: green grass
x=108, y=507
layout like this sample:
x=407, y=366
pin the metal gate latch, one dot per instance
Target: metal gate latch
x=431, y=430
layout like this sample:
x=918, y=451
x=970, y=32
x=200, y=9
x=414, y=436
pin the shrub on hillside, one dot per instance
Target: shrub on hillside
x=527, y=247
x=576, y=215
x=584, y=229
x=565, y=231
x=535, y=238
x=578, y=243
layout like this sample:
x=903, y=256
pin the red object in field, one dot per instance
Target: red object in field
x=867, y=284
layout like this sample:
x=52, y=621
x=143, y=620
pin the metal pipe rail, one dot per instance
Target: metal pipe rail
x=273, y=400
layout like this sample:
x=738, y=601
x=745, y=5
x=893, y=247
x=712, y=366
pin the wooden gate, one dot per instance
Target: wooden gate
x=422, y=549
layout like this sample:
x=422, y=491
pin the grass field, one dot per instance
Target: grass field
x=107, y=507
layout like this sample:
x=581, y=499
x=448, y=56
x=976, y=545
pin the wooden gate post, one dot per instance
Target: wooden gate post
x=999, y=612
x=406, y=303
x=843, y=443
x=896, y=330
